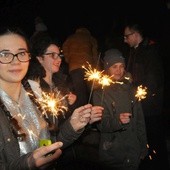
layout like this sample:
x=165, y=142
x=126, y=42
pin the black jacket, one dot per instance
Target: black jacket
x=121, y=145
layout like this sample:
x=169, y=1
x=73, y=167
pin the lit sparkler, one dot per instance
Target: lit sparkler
x=151, y=153
x=141, y=93
x=53, y=103
x=92, y=75
x=106, y=80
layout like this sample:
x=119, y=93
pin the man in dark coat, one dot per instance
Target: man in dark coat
x=145, y=65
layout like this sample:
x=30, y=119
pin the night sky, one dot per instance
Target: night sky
x=100, y=17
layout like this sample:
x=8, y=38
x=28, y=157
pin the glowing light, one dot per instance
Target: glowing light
x=154, y=151
x=106, y=81
x=92, y=74
x=150, y=157
x=53, y=102
x=141, y=93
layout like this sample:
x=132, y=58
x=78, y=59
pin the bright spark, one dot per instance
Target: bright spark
x=92, y=74
x=141, y=93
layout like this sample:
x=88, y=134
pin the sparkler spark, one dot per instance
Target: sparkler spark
x=106, y=81
x=97, y=76
x=92, y=74
x=53, y=102
x=141, y=93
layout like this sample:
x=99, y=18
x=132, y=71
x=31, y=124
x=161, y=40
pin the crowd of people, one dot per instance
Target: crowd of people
x=128, y=133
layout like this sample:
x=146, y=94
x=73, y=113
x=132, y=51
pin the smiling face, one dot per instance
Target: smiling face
x=117, y=70
x=15, y=71
x=51, y=60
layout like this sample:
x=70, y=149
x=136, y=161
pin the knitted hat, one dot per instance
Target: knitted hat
x=111, y=57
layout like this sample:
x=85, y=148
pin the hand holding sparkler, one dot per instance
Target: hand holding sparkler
x=96, y=114
x=81, y=117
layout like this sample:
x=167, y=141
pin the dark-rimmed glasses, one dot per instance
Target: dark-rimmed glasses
x=53, y=55
x=127, y=35
x=7, y=57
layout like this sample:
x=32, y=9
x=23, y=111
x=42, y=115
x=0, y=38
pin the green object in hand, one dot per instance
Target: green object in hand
x=45, y=142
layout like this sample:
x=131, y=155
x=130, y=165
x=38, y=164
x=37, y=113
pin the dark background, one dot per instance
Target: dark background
x=103, y=18
x=61, y=17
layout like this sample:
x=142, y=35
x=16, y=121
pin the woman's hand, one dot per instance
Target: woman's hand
x=40, y=157
x=96, y=114
x=81, y=117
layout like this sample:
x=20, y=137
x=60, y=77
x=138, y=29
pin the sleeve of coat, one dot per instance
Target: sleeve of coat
x=67, y=134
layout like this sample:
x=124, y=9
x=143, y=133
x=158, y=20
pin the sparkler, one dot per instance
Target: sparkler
x=97, y=76
x=151, y=153
x=106, y=80
x=92, y=75
x=141, y=93
x=53, y=103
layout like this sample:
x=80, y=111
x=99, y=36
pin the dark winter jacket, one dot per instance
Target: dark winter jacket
x=121, y=145
x=146, y=67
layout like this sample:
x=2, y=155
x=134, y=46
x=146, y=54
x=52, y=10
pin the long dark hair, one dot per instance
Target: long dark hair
x=39, y=44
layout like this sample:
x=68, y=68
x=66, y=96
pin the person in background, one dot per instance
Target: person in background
x=123, y=141
x=22, y=125
x=145, y=64
x=39, y=25
x=78, y=49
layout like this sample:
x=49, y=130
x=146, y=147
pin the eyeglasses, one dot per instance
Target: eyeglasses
x=6, y=57
x=127, y=35
x=53, y=55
